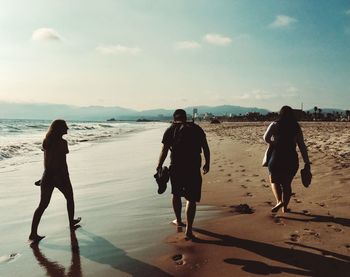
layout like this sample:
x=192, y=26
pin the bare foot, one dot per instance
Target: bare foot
x=277, y=207
x=75, y=222
x=34, y=239
x=189, y=236
x=178, y=224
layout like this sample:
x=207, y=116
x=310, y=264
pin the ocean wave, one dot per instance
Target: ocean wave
x=24, y=138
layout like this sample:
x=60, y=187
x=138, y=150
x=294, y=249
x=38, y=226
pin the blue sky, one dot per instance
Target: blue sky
x=168, y=54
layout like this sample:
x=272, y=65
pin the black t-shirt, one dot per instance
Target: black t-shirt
x=185, y=141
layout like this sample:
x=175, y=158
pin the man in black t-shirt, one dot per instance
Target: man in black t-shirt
x=186, y=141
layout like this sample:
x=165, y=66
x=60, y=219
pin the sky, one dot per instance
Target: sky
x=143, y=54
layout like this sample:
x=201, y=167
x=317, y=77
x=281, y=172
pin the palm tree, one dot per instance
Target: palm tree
x=315, y=110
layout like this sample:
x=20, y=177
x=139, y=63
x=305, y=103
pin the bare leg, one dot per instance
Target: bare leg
x=45, y=197
x=67, y=191
x=287, y=193
x=177, y=206
x=277, y=192
x=190, y=214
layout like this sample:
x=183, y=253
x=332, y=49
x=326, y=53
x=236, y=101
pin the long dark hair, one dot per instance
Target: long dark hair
x=287, y=123
x=57, y=128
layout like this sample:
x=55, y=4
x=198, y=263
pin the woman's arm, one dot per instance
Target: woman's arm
x=269, y=133
x=302, y=147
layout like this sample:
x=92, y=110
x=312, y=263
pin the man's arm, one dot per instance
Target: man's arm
x=206, y=153
x=162, y=156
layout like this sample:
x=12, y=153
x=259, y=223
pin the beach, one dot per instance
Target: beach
x=312, y=240
x=124, y=220
x=126, y=228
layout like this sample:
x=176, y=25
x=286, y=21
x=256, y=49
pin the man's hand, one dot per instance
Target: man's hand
x=205, y=168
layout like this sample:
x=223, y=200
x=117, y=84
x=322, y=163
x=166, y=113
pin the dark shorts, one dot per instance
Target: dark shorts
x=186, y=182
x=55, y=179
x=283, y=167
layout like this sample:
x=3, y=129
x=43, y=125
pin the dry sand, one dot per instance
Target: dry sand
x=312, y=240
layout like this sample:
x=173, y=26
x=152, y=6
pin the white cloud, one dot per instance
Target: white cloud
x=257, y=94
x=117, y=49
x=184, y=45
x=292, y=89
x=283, y=21
x=217, y=39
x=45, y=34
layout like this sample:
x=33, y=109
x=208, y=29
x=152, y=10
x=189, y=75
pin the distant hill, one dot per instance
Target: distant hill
x=100, y=113
x=227, y=109
x=52, y=111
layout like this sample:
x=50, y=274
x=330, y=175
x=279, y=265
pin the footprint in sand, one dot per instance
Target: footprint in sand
x=304, y=211
x=9, y=258
x=347, y=246
x=244, y=186
x=265, y=185
x=243, y=170
x=263, y=180
x=247, y=180
x=249, y=194
x=277, y=220
x=310, y=232
x=229, y=180
x=255, y=175
x=229, y=175
x=178, y=259
x=297, y=200
x=222, y=170
x=335, y=228
x=241, y=166
x=294, y=237
x=321, y=204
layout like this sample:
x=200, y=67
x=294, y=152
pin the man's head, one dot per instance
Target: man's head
x=180, y=115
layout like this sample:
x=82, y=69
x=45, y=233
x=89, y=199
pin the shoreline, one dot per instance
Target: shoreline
x=126, y=226
x=124, y=220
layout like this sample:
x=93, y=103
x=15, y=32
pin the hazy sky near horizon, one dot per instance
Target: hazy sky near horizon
x=166, y=54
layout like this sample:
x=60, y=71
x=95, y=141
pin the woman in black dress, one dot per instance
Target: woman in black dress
x=283, y=135
x=55, y=175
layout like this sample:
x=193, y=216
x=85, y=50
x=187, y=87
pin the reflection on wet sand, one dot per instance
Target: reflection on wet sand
x=99, y=250
x=54, y=268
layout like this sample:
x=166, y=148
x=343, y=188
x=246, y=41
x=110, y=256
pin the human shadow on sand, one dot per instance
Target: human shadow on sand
x=308, y=264
x=100, y=250
x=318, y=218
x=54, y=268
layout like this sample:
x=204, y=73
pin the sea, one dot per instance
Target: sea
x=21, y=140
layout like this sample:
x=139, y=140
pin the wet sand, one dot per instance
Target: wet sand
x=124, y=221
x=312, y=240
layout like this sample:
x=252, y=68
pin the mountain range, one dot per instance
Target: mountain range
x=101, y=113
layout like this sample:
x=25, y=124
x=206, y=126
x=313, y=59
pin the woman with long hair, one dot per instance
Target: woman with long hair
x=284, y=135
x=55, y=175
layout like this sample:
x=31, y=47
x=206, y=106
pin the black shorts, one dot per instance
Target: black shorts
x=186, y=182
x=55, y=179
x=283, y=167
